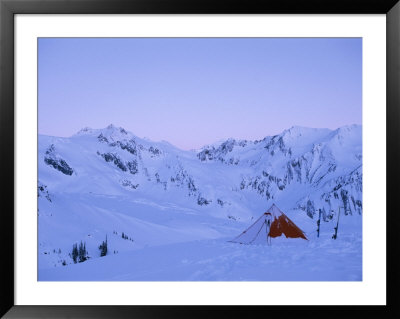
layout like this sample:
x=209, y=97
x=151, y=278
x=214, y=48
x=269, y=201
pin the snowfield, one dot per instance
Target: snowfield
x=218, y=260
x=169, y=214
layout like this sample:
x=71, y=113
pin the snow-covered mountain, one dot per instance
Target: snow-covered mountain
x=105, y=182
x=309, y=169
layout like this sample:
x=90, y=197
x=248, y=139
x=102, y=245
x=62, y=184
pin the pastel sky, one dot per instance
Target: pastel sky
x=196, y=91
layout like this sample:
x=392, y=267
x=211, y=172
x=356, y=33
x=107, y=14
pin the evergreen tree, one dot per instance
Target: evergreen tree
x=103, y=248
x=82, y=252
x=75, y=253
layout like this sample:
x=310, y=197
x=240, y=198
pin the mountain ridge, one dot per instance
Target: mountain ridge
x=303, y=155
x=116, y=181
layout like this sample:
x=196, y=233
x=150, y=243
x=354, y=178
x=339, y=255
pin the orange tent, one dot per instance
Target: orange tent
x=273, y=223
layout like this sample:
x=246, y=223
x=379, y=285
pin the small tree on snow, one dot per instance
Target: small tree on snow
x=82, y=252
x=75, y=253
x=103, y=248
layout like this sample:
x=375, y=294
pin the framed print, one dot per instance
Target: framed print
x=174, y=154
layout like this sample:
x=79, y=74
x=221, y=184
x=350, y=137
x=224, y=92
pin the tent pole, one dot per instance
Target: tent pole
x=267, y=228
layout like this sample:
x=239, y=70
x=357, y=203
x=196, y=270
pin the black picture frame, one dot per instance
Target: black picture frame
x=8, y=8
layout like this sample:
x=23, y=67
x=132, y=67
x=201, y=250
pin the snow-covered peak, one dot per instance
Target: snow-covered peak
x=112, y=129
x=345, y=137
x=297, y=129
x=115, y=133
x=303, y=134
x=85, y=130
x=350, y=127
x=111, y=132
x=348, y=131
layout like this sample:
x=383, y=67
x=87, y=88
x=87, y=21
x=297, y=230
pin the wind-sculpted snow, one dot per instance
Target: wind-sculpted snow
x=114, y=182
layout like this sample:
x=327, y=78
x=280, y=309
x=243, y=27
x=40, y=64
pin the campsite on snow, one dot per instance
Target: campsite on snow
x=115, y=207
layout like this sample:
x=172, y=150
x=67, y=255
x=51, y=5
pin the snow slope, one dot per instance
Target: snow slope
x=178, y=209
